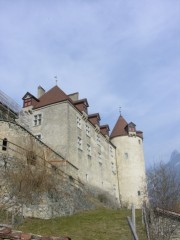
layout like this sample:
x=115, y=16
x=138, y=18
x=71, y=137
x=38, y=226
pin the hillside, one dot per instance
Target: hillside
x=100, y=224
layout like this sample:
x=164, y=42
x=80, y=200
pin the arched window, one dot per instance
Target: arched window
x=4, y=144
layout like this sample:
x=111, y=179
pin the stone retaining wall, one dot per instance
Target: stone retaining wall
x=7, y=233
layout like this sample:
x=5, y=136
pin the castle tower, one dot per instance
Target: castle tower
x=130, y=161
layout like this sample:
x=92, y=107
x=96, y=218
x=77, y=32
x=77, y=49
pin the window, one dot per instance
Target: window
x=139, y=193
x=37, y=119
x=125, y=155
x=100, y=157
x=79, y=142
x=98, y=139
x=87, y=177
x=139, y=141
x=111, y=152
x=87, y=130
x=113, y=168
x=4, y=144
x=78, y=120
x=88, y=150
x=27, y=102
x=38, y=136
x=131, y=129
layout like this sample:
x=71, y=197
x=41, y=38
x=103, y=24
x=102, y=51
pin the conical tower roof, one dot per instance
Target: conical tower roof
x=54, y=95
x=119, y=128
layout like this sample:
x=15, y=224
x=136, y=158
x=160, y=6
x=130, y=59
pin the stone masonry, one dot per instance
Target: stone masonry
x=6, y=232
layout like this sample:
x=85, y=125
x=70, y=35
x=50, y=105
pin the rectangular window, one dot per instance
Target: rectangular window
x=79, y=142
x=100, y=157
x=4, y=144
x=111, y=152
x=113, y=168
x=98, y=139
x=78, y=120
x=88, y=130
x=27, y=102
x=125, y=155
x=37, y=119
x=88, y=150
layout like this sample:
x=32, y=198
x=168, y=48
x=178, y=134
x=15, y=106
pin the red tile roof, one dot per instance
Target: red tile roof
x=119, y=128
x=54, y=95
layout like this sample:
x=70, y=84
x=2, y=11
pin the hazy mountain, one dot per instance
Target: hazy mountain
x=174, y=162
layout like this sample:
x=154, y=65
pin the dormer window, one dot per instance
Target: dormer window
x=27, y=102
x=132, y=129
x=94, y=118
x=82, y=105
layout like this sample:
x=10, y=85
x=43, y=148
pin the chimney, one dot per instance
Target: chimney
x=74, y=96
x=41, y=91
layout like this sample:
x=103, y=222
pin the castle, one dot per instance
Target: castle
x=112, y=163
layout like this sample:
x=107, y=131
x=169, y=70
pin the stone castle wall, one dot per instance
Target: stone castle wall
x=70, y=194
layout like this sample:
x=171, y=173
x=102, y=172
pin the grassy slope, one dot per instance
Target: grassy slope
x=100, y=224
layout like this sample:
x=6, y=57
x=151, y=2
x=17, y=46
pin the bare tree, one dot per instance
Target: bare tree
x=163, y=206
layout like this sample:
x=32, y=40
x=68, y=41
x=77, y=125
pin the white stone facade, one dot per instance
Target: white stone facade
x=65, y=130
x=131, y=168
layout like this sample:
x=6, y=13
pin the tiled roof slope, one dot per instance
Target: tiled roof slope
x=54, y=95
x=119, y=128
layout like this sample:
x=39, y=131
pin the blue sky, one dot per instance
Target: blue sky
x=113, y=52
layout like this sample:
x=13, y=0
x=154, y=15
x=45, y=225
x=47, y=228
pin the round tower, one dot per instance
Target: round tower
x=130, y=161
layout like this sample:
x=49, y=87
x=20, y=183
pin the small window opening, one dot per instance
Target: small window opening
x=38, y=136
x=139, y=193
x=4, y=144
x=126, y=155
x=71, y=178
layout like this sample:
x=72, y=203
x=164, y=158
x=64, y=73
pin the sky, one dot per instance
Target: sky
x=115, y=53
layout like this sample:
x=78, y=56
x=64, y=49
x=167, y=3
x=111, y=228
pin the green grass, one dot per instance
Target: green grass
x=100, y=224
